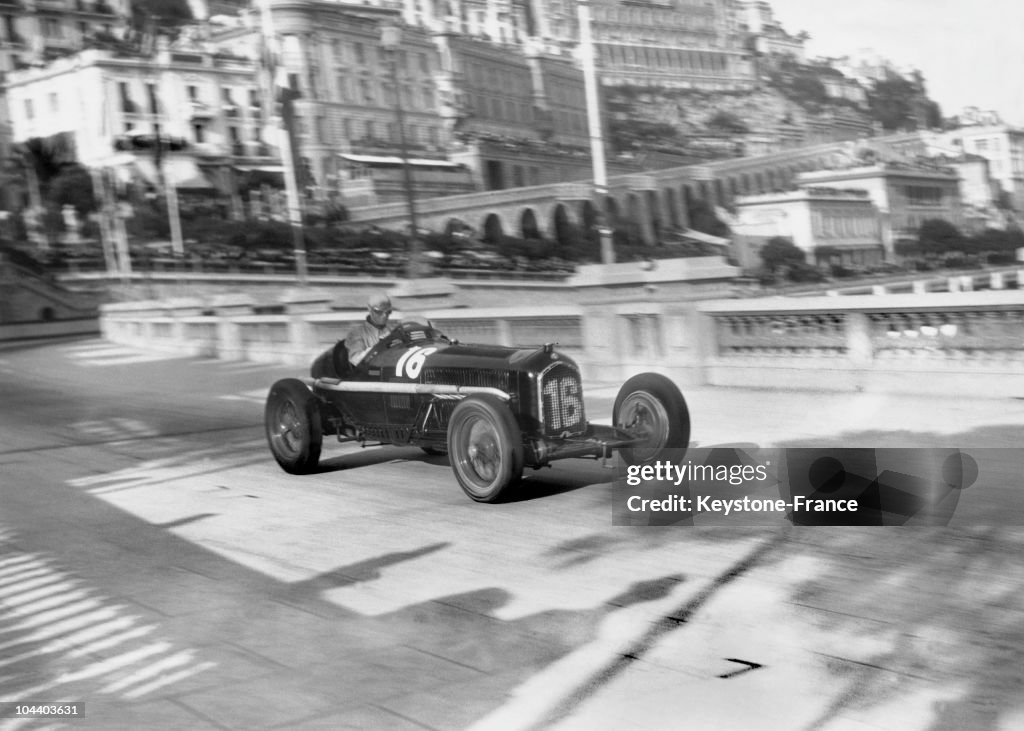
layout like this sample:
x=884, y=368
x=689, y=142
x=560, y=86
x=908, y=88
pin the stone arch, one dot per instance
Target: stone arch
x=633, y=215
x=588, y=215
x=528, y=227
x=655, y=215
x=671, y=207
x=612, y=214
x=561, y=226
x=492, y=229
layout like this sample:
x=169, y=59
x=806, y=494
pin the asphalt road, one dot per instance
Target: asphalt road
x=156, y=565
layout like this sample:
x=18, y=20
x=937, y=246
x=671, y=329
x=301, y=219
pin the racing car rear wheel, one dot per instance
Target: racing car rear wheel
x=652, y=408
x=294, y=429
x=485, y=447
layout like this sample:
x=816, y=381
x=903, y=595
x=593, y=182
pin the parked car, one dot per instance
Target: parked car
x=495, y=410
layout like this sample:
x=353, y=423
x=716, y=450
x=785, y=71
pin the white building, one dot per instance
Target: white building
x=828, y=225
x=110, y=103
x=1003, y=146
x=905, y=194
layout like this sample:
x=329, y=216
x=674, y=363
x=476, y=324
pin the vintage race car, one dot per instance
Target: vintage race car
x=495, y=410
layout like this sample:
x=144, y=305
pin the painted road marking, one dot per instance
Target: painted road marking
x=77, y=642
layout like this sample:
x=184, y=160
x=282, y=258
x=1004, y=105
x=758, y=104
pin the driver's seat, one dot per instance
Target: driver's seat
x=339, y=359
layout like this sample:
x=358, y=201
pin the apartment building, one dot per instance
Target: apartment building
x=905, y=193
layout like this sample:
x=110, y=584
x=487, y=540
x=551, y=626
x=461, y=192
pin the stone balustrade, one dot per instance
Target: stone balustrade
x=953, y=343
x=960, y=343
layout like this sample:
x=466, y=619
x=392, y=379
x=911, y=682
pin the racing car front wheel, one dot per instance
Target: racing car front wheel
x=485, y=447
x=294, y=429
x=652, y=408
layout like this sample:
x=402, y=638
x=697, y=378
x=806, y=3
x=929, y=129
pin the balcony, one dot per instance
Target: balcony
x=200, y=111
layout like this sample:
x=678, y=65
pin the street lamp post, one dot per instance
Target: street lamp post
x=280, y=124
x=595, y=131
x=390, y=38
x=170, y=191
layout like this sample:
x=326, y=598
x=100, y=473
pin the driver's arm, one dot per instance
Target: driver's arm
x=362, y=341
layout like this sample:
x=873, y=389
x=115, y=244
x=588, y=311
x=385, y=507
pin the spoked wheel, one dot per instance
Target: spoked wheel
x=485, y=447
x=294, y=429
x=651, y=408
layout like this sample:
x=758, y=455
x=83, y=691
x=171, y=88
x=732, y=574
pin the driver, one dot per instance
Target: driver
x=371, y=331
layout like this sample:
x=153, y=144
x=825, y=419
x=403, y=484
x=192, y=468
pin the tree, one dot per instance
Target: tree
x=781, y=253
x=72, y=186
x=728, y=122
x=938, y=236
x=893, y=103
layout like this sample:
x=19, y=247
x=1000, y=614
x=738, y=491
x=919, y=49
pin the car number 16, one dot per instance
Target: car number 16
x=412, y=362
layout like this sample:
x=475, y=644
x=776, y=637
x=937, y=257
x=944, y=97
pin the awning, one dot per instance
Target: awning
x=259, y=168
x=395, y=160
x=181, y=172
x=703, y=237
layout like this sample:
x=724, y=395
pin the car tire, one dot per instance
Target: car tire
x=485, y=447
x=651, y=406
x=293, y=425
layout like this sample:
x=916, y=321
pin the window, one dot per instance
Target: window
x=127, y=105
x=370, y=131
x=54, y=105
x=360, y=53
x=154, y=107
x=923, y=195
x=424, y=63
x=51, y=28
x=197, y=132
x=193, y=93
x=30, y=112
x=365, y=92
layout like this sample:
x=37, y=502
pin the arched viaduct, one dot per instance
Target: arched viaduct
x=648, y=202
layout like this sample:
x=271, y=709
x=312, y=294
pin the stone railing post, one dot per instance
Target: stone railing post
x=302, y=338
x=858, y=339
x=229, y=334
x=177, y=308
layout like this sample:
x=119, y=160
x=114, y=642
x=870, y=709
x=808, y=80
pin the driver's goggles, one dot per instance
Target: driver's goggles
x=380, y=311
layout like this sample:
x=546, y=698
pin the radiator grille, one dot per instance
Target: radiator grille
x=560, y=400
x=469, y=377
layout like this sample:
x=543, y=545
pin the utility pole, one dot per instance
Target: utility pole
x=281, y=123
x=596, y=133
x=170, y=191
x=390, y=39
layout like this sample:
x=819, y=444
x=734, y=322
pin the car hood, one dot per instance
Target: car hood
x=494, y=357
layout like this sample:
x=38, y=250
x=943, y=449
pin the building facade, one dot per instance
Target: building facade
x=1003, y=146
x=36, y=31
x=828, y=225
x=905, y=194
